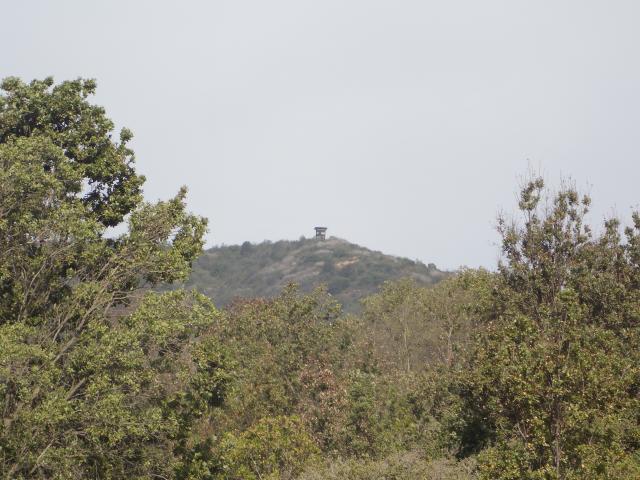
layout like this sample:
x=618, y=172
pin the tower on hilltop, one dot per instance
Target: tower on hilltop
x=321, y=233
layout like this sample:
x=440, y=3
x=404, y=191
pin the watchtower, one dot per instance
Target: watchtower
x=321, y=233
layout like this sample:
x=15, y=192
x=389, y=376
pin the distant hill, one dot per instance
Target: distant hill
x=350, y=272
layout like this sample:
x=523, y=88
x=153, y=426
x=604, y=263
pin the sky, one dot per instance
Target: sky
x=403, y=126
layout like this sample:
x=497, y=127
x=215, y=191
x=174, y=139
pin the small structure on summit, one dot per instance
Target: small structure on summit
x=321, y=233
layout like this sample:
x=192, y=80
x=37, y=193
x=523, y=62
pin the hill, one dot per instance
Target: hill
x=349, y=271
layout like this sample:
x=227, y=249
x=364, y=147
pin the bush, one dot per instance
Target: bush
x=273, y=448
x=410, y=465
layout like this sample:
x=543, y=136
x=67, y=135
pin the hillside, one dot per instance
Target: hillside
x=349, y=271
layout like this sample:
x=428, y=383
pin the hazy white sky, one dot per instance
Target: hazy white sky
x=401, y=125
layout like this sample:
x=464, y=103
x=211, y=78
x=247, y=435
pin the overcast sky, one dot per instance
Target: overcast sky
x=403, y=126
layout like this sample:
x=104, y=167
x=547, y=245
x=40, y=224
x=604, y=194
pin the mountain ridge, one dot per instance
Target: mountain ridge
x=349, y=271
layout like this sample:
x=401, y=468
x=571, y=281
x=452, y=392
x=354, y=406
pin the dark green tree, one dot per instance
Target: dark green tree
x=106, y=179
x=554, y=377
x=97, y=378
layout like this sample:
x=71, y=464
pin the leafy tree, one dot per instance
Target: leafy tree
x=418, y=336
x=96, y=379
x=284, y=348
x=274, y=448
x=416, y=327
x=553, y=384
x=83, y=133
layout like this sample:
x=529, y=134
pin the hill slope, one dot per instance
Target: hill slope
x=350, y=272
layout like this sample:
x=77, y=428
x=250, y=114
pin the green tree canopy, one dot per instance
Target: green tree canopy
x=97, y=379
x=103, y=169
x=553, y=384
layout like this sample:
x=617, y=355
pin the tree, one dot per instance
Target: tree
x=274, y=448
x=415, y=327
x=553, y=383
x=83, y=133
x=286, y=350
x=97, y=378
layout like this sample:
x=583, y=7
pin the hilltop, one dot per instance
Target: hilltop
x=349, y=271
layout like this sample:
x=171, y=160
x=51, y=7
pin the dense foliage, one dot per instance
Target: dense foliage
x=90, y=385
x=555, y=372
x=528, y=372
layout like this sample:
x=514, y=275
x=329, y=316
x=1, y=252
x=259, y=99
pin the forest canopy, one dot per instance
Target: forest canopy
x=531, y=371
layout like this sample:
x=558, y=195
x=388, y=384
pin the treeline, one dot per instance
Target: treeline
x=528, y=372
